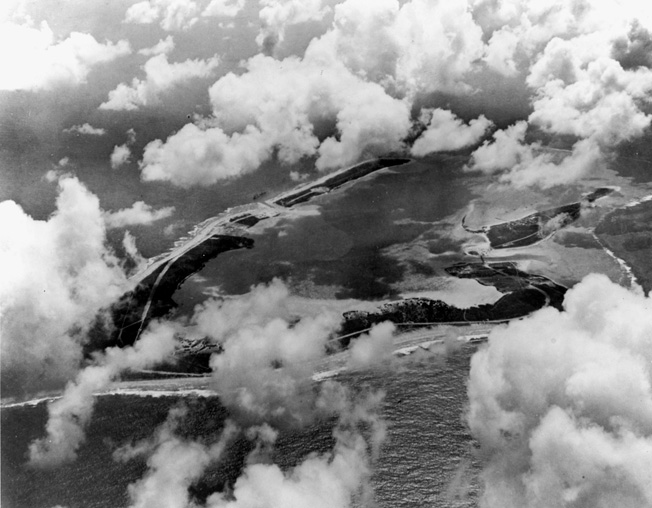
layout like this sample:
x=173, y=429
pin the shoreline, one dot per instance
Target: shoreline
x=405, y=344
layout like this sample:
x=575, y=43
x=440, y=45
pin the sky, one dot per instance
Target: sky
x=121, y=120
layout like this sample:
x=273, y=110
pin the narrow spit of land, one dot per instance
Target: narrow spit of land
x=155, y=285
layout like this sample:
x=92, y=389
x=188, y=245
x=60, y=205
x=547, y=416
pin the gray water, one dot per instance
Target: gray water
x=427, y=458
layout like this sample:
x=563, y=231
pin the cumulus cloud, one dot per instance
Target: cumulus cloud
x=339, y=478
x=263, y=378
x=56, y=276
x=264, y=371
x=634, y=49
x=416, y=47
x=138, y=213
x=277, y=15
x=69, y=415
x=526, y=165
x=131, y=250
x=194, y=156
x=172, y=15
x=444, y=131
x=120, y=156
x=578, y=59
x=174, y=464
x=160, y=76
x=275, y=105
x=504, y=151
x=32, y=59
x=162, y=47
x=224, y=8
x=86, y=129
x=583, y=93
x=352, y=93
x=373, y=348
x=561, y=403
x=544, y=171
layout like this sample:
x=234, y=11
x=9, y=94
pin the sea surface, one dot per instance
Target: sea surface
x=426, y=460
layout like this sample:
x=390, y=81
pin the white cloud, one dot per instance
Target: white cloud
x=56, y=276
x=561, y=403
x=277, y=15
x=174, y=464
x=194, y=156
x=225, y=8
x=378, y=59
x=160, y=77
x=263, y=374
x=87, y=129
x=172, y=15
x=69, y=415
x=132, y=252
x=394, y=45
x=31, y=59
x=361, y=75
x=582, y=93
x=372, y=348
x=275, y=105
x=120, y=156
x=505, y=151
x=543, y=171
x=524, y=165
x=340, y=477
x=138, y=213
x=444, y=131
x=571, y=53
x=162, y=47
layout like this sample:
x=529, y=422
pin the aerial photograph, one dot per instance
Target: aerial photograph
x=326, y=253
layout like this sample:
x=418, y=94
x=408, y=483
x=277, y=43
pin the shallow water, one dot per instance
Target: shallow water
x=340, y=248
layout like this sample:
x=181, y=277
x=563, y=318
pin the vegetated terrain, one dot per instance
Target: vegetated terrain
x=524, y=293
x=628, y=233
x=304, y=194
x=127, y=313
x=538, y=225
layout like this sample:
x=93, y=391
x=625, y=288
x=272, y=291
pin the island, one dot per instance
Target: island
x=536, y=226
x=524, y=293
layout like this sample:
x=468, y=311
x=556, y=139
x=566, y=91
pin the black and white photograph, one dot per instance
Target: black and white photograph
x=326, y=253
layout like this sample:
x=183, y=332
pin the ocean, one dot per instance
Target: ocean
x=427, y=458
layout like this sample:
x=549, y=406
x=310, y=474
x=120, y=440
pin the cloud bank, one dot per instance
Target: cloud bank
x=561, y=403
x=56, y=276
x=354, y=91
